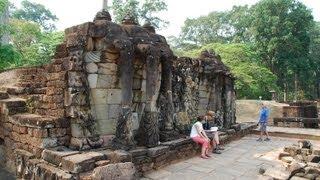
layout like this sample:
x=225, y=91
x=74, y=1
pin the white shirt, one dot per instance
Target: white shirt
x=194, y=132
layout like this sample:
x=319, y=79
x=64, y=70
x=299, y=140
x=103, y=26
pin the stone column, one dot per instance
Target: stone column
x=212, y=96
x=149, y=121
x=167, y=109
x=228, y=103
x=124, y=135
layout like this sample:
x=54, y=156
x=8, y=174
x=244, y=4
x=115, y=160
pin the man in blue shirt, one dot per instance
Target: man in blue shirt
x=263, y=122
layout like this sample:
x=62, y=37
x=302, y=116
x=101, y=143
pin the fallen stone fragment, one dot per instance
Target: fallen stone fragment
x=277, y=173
x=118, y=171
x=287, y=159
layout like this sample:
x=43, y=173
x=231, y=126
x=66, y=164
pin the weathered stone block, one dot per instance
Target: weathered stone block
x=55, y=155
x=156, y=151
x=106, y=127
x=92, y=68
x=114, y=96
x=111, y=56
x=107, y=81
x=93, y=56
x=101, y=112
x=99, y=96
x=81, y=162
x=139, y=152
x=115, y=171
x=92, y=80
x=113, y=111
x=75, y=79
x=108, y=68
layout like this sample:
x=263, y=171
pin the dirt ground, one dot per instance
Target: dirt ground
x=248, y=110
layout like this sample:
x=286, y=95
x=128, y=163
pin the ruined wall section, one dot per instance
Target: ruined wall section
x=203, y=84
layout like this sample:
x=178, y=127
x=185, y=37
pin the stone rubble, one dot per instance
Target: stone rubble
x=299, y=162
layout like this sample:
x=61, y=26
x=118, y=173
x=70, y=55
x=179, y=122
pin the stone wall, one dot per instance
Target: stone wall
x=200, y=85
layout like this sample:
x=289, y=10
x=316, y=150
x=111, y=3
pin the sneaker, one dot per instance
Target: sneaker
x=220, y=147
x=267, y=139
x=216, y=151
x=259, y=139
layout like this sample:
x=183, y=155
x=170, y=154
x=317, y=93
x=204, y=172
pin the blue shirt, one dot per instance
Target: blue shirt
x=264, y=115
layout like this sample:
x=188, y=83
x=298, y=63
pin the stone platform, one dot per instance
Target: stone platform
x=63, y=163
x=241, y=160
x=301, y=133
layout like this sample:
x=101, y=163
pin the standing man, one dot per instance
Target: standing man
x=263, y=122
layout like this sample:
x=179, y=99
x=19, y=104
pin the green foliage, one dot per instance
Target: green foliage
x=36, y=13
x=144, y=11
x=9, y=57
x=218, y=27
x=35, y=46
x=252, y=78
x=3, y=5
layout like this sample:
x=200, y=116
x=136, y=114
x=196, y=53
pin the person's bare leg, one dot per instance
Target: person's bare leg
x=203, y=152
x=216, y=138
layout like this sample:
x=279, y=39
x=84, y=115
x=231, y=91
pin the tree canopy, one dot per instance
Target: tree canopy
x=36, y=13
x=144, y=11
x=282, y=34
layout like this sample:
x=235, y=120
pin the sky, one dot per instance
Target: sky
x=74, y=12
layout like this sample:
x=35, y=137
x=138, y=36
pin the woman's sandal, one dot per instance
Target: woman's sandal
x=208, y=155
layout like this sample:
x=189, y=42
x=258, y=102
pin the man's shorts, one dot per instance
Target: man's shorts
x=263, y=126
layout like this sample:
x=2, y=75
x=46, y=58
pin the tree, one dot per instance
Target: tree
x=36, y=13
x=281, y=32
x=144, y=11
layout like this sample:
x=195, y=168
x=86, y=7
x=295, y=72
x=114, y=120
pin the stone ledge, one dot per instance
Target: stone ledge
x=37, y=121
x=55, y=155
x=81, y=162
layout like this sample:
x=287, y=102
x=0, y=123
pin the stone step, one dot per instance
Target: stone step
x=4, y=95
x=38, y=121
x=13, y=106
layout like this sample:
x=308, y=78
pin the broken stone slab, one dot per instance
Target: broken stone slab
x=50, y=172
x=292, y=150
x=305, y=151
x=315, y=165
x=313, y=159
x=287, y=159
x=156, y=151
x=283, y=154
x=316, y=152
x=312, y=170
x=81, y=162
x=298, y=178
x=123, y=171
x=277, y=173
x=55, y=155
x=304, y=144
x=296, y=167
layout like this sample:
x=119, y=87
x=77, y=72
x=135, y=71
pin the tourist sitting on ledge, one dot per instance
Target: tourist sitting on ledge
x=199, y=136
x=212, y=129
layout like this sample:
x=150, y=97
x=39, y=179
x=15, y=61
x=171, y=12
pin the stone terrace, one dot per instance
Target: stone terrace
x=242, y=159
